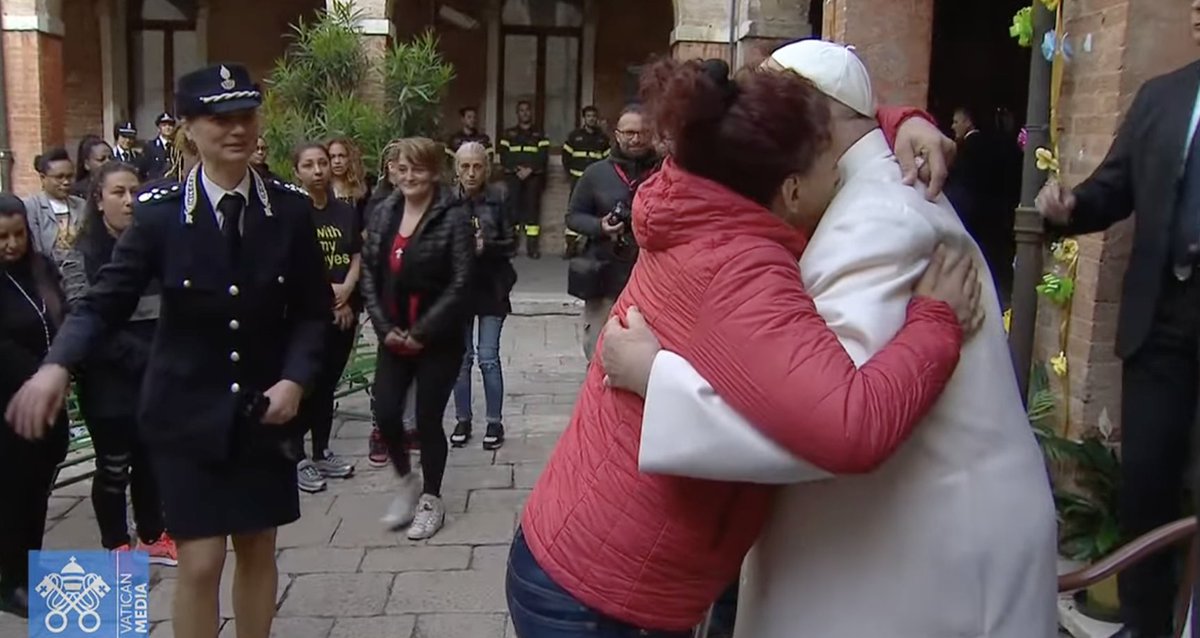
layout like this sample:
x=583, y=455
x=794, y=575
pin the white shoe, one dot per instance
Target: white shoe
x=431, y=513
x=400, y=513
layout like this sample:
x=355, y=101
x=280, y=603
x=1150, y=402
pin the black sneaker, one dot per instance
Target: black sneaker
x=461, y=435
x=15, y=602
x=494, y=437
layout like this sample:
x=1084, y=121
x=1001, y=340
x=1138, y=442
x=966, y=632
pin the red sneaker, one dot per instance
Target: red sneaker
x=124, y=548
x=161, y=551
x=377, y=450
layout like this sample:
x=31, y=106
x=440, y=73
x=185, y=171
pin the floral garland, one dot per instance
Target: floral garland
x=1058, y=283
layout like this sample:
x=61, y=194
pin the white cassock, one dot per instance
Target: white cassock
x=954, y=536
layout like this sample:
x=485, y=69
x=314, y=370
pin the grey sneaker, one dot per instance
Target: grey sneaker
x=400, y=512
x=431, y=513
x=333, y=466
x=308, y=477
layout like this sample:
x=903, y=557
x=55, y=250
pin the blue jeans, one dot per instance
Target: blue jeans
x=489, y=366
x=539, y=608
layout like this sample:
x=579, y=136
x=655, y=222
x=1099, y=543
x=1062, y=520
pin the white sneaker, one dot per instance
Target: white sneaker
x=431, y=513
x=400, y=513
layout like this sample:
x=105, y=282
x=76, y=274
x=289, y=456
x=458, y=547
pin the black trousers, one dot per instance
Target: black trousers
x=526, y=197
x=122, y=463
x=316, y=411
x=1158, y=397
x=29, y=468
x=435, y=372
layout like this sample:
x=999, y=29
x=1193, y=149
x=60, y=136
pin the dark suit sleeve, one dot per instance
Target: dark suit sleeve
x=581, y=211
x=310, y=300
x=1106, y=197
x=114, y=295
x=452, y=300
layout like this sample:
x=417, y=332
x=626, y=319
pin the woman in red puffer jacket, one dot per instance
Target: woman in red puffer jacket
x=604, y=550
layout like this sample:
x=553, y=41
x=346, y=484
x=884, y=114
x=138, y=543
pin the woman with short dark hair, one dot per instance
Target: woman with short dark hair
x=54, y=213
x=91, y=154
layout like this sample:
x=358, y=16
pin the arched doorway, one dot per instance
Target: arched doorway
x=163, y=44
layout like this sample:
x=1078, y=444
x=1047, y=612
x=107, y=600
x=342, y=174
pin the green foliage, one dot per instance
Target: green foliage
x=316, y=90
x=1085, y=475
x=1057, y=289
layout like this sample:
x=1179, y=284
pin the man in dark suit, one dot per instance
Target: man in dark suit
x=1153, y=167
x=975, y=188
x=156, y=154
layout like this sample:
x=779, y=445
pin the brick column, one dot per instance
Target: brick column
x=33, y=72
x=764, y=25
x=894, y=38
x=1131, y=42
x=702, y=29
x=377, y=33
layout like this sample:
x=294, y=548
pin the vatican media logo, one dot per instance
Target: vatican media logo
x=92, y=594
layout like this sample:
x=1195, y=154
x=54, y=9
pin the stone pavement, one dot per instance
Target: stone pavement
x=342, y=575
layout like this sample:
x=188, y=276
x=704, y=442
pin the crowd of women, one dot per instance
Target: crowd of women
x=425, y=253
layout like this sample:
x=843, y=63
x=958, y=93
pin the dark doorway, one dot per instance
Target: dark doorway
x=975, y=63
x=816, y=17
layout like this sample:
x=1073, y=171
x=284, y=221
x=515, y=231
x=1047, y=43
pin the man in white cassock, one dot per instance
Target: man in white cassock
x=952, y=537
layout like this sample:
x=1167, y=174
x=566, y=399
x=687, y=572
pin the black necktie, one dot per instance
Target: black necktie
x=231, y=206
x=1186, y=243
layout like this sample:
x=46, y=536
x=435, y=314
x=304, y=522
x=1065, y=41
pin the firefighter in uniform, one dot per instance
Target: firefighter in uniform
x=244, y=309
x=524, y=155
x=468, y=133
x=585, y=146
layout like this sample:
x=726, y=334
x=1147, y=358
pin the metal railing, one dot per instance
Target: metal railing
x=357, y=377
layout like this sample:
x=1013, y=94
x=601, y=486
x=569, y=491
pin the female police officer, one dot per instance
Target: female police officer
x=244, y=308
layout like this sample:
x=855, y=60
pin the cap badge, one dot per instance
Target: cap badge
x=227, y=82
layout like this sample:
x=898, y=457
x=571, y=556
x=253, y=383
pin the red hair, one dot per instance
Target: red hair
x=748, y=133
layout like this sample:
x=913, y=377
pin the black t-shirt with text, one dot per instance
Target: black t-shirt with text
x=340, y=237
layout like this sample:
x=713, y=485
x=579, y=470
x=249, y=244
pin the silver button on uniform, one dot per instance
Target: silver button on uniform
x=187, y=283
x=235, y=388
x=234, y=325
x=281, y=279
x=234, y=356
x=233, y=291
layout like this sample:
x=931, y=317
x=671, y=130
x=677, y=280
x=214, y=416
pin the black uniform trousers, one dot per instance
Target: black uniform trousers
x=1158, y=410
x=123, y=463
x=435, y=371
x=526, y=198
x=316, y=411
x=29, y=469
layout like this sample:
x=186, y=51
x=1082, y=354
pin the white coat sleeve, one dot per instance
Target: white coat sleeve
x=861, y=269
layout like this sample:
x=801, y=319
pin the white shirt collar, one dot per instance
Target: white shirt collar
x=865, y=151
x=215, y=192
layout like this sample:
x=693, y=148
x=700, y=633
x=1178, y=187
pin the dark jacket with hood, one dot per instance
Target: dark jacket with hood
x=603, y=185
x=437, y=267
x=494, y=276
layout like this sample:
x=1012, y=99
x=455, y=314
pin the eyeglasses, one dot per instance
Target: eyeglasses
x=631, y=134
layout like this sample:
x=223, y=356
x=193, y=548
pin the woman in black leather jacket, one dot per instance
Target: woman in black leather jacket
x=495, y=246
x=110, y=382
x=417, y=263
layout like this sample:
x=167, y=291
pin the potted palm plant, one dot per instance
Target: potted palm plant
x=1085, y=474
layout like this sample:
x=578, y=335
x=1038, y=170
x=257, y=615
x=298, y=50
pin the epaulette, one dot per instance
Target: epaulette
x=287, y=186
x=163, y=192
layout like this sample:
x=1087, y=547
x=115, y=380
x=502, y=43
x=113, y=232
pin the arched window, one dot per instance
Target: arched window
x=542, y=63
x=162, y=45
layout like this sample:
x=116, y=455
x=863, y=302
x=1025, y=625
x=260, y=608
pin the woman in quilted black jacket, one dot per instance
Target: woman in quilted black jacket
x=417, y=263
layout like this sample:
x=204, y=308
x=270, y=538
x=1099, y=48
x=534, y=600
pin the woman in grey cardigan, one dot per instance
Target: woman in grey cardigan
x=54, y=213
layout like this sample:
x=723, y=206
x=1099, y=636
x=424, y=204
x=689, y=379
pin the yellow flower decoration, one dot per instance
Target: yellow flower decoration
x=1066, y=251
x=1008, y=320
x=1051, y=4
x=1059, y=364
x=1047, y=160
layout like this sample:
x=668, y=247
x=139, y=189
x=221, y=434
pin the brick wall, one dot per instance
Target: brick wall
x=84, y=77
x=1131, y=42
x=894, y=39
x=33, y=73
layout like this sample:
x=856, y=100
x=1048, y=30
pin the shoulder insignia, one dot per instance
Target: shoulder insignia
x=159, y=193
x=288, y=186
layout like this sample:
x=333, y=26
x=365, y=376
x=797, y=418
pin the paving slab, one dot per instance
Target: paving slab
x=460, y=625
x=336, y=595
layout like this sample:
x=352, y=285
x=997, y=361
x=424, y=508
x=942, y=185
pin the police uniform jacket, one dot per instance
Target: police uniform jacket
x=226, y=328
x=155, y=160
x=583, y=148
x=494, y=276
x=524, y=147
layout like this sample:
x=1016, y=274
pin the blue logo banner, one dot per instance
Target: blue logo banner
x=89, y=594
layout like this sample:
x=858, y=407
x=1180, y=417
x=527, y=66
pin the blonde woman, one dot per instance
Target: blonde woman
x=417, y=263
x=348, y=175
